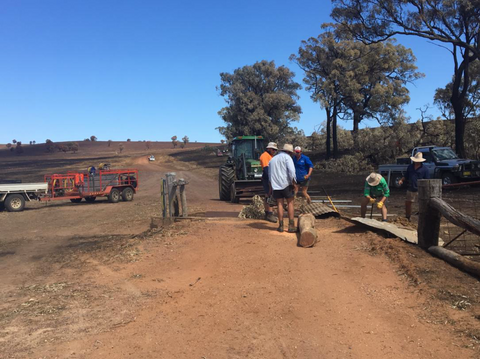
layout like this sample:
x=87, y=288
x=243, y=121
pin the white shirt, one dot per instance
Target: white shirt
x=281, y=171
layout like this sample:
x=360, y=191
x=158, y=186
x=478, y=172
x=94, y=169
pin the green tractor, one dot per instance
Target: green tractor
x=241, y=175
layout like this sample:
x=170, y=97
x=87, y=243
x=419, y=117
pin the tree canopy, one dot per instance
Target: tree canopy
x=261, y=100
x=357, y=80
x=447, y=22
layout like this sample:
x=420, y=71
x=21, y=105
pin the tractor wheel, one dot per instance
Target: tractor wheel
x=233, y=194
x=114, y=196
x=448, y=178
x=127, y=194
x=90, y=199
x=226, y=177
x=14, y=203
x=75, y=200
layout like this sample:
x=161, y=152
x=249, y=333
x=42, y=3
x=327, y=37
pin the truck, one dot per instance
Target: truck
x=442, y=163
x=114, y=184
x=14, y=195
x=241, y=175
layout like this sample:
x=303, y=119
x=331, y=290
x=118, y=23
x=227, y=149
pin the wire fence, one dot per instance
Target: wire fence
x=457, y=239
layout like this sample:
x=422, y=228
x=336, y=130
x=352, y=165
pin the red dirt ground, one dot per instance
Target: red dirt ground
x=94, y=281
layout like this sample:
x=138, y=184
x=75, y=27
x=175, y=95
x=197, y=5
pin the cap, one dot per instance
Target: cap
x=298, y=149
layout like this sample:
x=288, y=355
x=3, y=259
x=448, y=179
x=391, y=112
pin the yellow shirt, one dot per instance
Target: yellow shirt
x=265, y=159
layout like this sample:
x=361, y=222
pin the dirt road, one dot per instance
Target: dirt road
x=92, y=281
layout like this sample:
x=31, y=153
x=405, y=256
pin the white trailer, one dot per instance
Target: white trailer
x=13, y=196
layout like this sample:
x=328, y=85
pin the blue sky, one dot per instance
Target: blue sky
x=148, y=70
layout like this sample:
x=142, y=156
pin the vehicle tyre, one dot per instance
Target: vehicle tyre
x=90, y=199
x=233, y=194
x=448, y=178
x=127, y=194
x=226, y=177
x=114, y=196
x=75, y=200
x=394, y=179
x=14, y=203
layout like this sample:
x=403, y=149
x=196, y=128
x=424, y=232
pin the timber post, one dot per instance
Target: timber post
x=172, y=191
x=183, y=197
x=428, y=216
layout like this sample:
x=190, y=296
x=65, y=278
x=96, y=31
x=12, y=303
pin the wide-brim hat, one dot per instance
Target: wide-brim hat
x=287, y=148
x=374, y=179
x=418, y=157
x=272, y=145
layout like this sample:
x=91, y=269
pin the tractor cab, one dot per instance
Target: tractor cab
x=246, y=151
x=241, y=175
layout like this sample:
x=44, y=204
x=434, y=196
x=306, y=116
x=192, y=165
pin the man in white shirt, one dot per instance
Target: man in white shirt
x=281, y=174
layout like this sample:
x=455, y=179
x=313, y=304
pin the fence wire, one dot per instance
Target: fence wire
x=465, y=200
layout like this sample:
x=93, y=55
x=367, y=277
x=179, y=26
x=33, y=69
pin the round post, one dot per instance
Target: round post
x=428, y=217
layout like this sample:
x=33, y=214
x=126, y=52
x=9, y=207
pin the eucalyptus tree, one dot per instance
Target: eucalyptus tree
x=446, y=22
x=261, y=100
x=321, y=60
x=356, y=80
x=471, y=108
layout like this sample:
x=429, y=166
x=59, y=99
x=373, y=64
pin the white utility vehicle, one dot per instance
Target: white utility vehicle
x=13, y=196
x=151, y=158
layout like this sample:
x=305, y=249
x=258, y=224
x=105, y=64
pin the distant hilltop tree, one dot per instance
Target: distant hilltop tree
x=129, y=140
x=121, y=147
x=50, y=147
x=72, y=146
x=93, y=138
x=86, y=140
x=19, y=148
x=8, y=145
x=174, y=141
x=109, y=143
x=148, y=144
x=185, y=140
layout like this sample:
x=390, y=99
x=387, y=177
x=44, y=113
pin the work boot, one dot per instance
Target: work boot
x=270, y=217
x=291, y=226
x=280, y=225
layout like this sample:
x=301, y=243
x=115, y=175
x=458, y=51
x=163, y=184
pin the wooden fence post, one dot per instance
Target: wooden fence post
x=172, y=192
x=183, y=197
x=428, y=217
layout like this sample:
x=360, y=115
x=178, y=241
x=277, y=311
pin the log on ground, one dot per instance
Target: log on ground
x=456, y=260
x=308, y=234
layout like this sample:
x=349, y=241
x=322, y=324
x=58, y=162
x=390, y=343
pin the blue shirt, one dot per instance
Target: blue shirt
x=302, y=165
x=281, y=171
x=413, y=175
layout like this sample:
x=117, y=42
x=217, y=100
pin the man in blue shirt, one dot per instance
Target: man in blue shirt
x=303, y=171
x=415, y=171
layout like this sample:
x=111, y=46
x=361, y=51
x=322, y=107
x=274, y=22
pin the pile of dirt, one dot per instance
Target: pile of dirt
x=256, y=210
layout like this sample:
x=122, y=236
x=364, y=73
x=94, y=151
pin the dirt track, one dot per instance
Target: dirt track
x=92, y=281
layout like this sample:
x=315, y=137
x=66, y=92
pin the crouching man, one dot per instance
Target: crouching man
x=375, y=190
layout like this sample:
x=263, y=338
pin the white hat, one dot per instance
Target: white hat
x=418, y=157
x=298, y=149
x=272, y=145
x=374, y=179
x=287, y=148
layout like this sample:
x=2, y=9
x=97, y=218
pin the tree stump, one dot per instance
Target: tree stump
x=308, y=234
